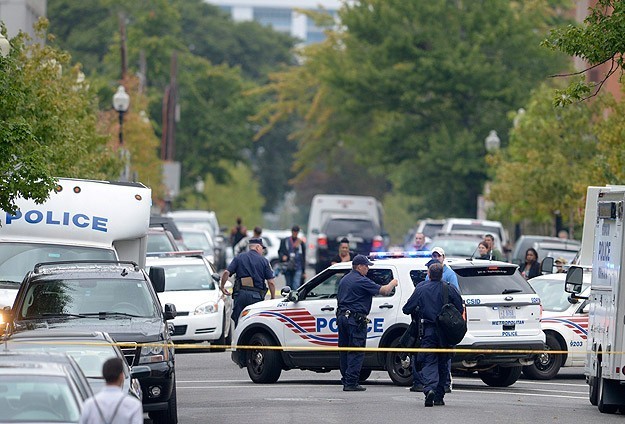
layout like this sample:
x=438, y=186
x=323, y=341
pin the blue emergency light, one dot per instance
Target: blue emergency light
x=401, y=254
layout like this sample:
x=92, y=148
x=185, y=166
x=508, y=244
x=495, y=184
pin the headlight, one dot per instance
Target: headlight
x=154, y=353
x=206, y=308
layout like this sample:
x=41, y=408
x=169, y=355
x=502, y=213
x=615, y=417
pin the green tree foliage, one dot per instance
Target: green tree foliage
x=48, y=123
x=549, y=162
x=414, y=88
x=599, y=40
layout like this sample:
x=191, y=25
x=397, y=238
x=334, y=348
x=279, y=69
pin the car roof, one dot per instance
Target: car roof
x=19, y=363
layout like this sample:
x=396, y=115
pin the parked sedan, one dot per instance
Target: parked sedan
x=199, y=239
x=41, y=388
x=203, y=312
x=89, y=349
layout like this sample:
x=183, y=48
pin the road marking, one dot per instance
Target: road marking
x=521, y=394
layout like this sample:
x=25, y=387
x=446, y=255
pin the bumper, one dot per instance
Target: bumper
x=495, y=354
x=162, y=376
x=198, y=327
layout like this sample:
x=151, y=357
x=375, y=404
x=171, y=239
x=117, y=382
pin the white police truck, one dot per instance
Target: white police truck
x=81, y=220
x=502, y=312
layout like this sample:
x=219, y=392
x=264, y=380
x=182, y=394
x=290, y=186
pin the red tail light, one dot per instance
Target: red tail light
x=322, y=241
x=377, y=244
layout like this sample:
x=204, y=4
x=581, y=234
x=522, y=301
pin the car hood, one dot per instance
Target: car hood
x=121, y=330
x=186, y=301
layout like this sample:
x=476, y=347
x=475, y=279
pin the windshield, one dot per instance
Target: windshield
x=197, y=241
x=188, y=277
x=159, y=242
x=342, y=227
x=486, y=229
x=80, y=297
x=462, y=248
x=552, y=294
x=37, y=399
x=16, y=259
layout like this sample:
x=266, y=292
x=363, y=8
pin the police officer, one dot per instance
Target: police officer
x=428, y=298
x=354, y=303
x=251, y=269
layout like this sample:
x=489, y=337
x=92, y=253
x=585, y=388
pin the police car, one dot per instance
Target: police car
x=503, y=313
x=565, y=323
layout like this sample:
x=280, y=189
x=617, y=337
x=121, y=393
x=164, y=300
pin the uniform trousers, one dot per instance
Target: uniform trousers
x=351, y=334
x=243, y=298
x=434, y=365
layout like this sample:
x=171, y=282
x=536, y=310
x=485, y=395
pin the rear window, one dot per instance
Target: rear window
x=490, y=280
x=341, y=227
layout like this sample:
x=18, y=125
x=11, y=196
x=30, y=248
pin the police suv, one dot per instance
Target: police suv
x=502, y=312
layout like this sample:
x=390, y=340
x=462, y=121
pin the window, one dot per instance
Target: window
x=341, y=227
x=279, y=19
x=491, y=280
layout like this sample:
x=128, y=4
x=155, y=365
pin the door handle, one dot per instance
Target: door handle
x=386, y=306
x=327, y=308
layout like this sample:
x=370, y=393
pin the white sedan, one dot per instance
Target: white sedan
x=203, y=312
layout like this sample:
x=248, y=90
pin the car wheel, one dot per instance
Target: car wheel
x=398, y=366
x=603, y=408
x=364, y=375
x=501, y=376
x=546, y=366
x=593, y=387
x=263, y=365
x=221, y=341
x=170, y=415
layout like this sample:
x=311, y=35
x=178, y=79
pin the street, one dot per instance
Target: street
x=211, y=388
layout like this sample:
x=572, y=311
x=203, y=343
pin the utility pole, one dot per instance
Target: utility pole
x=122, y=33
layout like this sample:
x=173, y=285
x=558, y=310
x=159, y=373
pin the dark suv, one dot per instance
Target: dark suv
x=115, y=297
x=364, y=237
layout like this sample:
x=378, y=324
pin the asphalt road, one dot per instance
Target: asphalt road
x=212, y=389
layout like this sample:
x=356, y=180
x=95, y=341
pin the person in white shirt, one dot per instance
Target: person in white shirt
x=111, y=405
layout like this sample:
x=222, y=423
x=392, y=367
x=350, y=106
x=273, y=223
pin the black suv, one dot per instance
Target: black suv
x=115, y=297
x=364, y=237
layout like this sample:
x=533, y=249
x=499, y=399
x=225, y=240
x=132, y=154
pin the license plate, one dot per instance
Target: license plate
x=507, y=312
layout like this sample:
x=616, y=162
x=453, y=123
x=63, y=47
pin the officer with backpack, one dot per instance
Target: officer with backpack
x=429, y=298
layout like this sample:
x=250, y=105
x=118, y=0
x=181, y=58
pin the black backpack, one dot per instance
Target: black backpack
x=450, y=324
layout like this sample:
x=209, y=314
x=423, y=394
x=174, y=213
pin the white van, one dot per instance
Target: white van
x=482, y=226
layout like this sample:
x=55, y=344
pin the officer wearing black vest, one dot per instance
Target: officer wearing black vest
x=354, y=298
x=428, y=298
x=251, y=269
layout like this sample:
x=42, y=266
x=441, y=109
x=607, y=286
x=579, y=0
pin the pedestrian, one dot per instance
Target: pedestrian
x=292, y=254
x=111, y=405
x=560, y=262
x=354, y=299
x=344, y=255
x=237, y=233
x=419, y=242
x=531, y=267
x=241, y=246
x=483, y=250
x=563, y=234
x=493, y=253
x=251, y=269
x=428, y=300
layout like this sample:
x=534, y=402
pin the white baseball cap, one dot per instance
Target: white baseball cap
x=438, y=250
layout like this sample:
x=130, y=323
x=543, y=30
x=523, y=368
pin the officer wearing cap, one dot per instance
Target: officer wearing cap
x=251, y=269
x=354, y=297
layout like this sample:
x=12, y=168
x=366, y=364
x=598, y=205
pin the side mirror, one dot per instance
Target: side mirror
x=157, y=277
x=285, y=291
x=140, y=371
x=574, y=279
x=546, y=266
x=572, y=300
x=170, y=311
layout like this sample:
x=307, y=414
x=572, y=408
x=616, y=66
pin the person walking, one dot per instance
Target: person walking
x=241, y=246
x=292, y=253
x=531, y=267
x=111, y=405
x=237, y=233
x=354, y=300
x=344, y=255
x=251, y=269
x=428, y=300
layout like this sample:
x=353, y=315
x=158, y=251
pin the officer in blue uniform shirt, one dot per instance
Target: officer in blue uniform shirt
x=428, y=297
x=251, y=269
x=354, y=298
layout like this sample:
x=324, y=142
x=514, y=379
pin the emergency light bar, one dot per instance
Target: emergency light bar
x=400, y=254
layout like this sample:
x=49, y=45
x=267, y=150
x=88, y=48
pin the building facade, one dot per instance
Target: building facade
x=21, y=15
x=281, y=15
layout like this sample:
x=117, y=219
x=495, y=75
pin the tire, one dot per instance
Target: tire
x=170, y=415
x=364, y=375
x=501, y=376
x=263, y=366
x=603, y=408
x=397, y=367
x=546, y=366
x=221, y=341
x=593, y=387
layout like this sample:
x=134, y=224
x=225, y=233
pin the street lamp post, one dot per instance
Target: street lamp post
x=492, y=144
x=121, y=101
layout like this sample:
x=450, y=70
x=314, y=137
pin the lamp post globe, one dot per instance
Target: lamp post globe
x=492, y=142
x=121, y=101
x=5, y=46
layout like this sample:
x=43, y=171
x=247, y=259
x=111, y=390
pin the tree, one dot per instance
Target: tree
x=48, y=123
x=599, y=41
x=413, y=88
x=549, y=162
